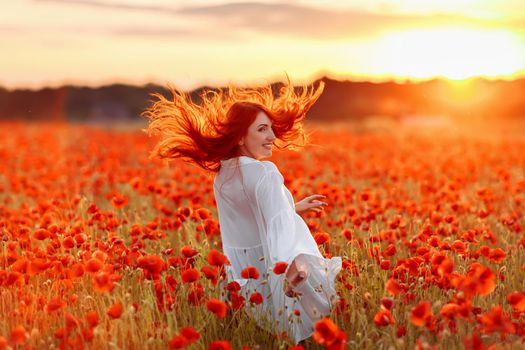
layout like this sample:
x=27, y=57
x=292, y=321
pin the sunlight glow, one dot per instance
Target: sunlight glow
x=56, y=42
x=453, y=53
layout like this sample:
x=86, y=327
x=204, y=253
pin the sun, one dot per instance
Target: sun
x=453, y=53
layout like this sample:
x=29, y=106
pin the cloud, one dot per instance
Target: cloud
x=153, y=31
x=285, y=19
x=310, y=22
x=307, y=22
x=113, y=5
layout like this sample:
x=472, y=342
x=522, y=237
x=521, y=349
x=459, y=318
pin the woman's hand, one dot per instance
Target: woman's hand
x=310, y=203
x=294, y=276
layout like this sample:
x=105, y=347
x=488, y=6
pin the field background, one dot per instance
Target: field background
x=417, y=141
x=93, y=234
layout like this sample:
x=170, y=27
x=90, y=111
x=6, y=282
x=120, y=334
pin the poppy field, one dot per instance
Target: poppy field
x=104, y=248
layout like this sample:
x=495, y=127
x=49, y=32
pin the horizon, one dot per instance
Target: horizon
x=97, y=43
x=452, y=82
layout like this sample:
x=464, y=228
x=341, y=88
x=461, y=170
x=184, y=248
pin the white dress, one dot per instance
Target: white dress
x=259, y=227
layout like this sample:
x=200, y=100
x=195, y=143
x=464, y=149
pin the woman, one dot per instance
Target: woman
x=231, y=134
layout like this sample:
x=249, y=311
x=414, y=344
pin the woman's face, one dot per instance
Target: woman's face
x=259, y=138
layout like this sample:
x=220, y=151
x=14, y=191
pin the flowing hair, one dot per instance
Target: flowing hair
x=207, y=132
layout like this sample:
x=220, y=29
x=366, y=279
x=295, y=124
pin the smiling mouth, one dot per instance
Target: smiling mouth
x=267, y=145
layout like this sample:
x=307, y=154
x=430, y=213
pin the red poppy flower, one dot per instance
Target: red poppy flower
x=71, y=321
x=190, y=333
x=517, y=301
x=387, y=303
x=327, y=333
x=92, y=318
x=348, y=234
x=321, y=238
x=41, y=234
x=77, y=270
x=220, y=345
x=92, y=208
x=233, y=286
x=211, y=273
x=442, y=265
x=94, y=265
x=479, y=280
x=115, y=310
x=188, y=251
x=393, y=287
x=190, y=275
x=100, y=255
x=187, y=336
x=88, y=334
x=421, y=313
x=37, y=266
x=497, y=255
x=250, y=272
x=449, y=310
x=364, y=196
x=12, y=278
x=18, y=335
x=80, y=238
x=153, y=264
x=280, y=267
x=401, y=331
x=383, y=317
x=69, y=242
x=54, y=304
x=203, y=213
x=216, y=258
x=104, y=282
x=474, y=342
x=496, y=320
x=119, y=201
x=459, y=246
x=178, y=342
x=218, y=307
x=59, y=333
x=237, y=301
x=256, y=298
x=20, y=265
x=390, y=250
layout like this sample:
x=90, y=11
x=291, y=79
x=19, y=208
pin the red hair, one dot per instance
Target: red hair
x=206, y=133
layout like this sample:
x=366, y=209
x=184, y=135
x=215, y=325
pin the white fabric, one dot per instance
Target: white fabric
x=259, y=227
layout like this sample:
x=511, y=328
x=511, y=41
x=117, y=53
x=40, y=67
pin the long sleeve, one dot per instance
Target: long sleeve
x=286, y=234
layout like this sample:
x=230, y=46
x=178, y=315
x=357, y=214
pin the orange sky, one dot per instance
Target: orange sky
x=195, y=42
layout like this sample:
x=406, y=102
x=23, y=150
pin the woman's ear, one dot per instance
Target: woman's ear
x=241, y=142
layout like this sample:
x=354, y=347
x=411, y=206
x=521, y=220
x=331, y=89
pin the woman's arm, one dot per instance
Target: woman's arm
x=310, y=203
x=284, y=243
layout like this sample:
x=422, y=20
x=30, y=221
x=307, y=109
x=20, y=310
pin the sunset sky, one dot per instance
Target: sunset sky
x=193, y=42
